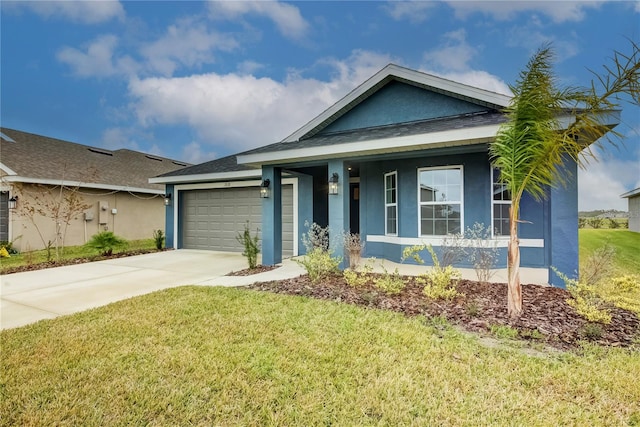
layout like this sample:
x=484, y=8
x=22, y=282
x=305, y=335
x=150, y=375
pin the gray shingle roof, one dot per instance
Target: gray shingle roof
x=224, y=164
x=43, y=158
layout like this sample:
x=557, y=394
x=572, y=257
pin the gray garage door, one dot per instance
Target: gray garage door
x=211, y=219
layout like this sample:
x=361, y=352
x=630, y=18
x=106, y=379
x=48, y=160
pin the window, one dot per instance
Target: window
x=500, y=204
x=391, y=203
x=440, y=199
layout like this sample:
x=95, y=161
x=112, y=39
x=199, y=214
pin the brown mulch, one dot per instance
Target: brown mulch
x=545, y=309
x=74, y=261
x=251, y=271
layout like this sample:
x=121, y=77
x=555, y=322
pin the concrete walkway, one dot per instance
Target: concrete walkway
x=44, y=294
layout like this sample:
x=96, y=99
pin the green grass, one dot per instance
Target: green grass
x=220, y=356
x=626, y=243
x=70, y=252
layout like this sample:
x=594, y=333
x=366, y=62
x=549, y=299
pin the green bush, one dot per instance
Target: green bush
x=320, y=264
x=391, y=283
x=251, y=246
x=357, y=278
x=622, y=291
x=585, y=300
x=439, y=282
x=595, y=222
x=158, y=239
x=105, y=242
x=8, y=246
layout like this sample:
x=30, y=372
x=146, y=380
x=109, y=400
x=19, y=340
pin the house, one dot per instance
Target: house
x=402, y=160
x=633, y=197
x=109, y=189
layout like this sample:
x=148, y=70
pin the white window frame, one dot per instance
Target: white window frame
x=493, y=204
x=421, y=203
x=388, y=205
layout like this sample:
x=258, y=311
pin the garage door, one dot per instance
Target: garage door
x=211, y=219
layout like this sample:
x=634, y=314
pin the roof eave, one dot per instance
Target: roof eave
x=66, y=183
x=207, y=177
x=631, y=193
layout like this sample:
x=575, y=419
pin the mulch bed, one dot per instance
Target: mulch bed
x=74, y=261
x=545, y=309
x=252, y=271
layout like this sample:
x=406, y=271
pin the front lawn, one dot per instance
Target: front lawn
x=219, y=356
x=625, y=242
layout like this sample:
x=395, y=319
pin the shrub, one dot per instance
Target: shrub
x=251, y=246
x=622, y=291
x=452, y=249
x=503, y=331
x=591, y=331
x=391, y=283
x=158, y=239
x=357, y=278
x=4, y=253
x=105, y=242
x=613, y=223
x=439, y=282
x=320, y=264
x=598, y=266
x=8, y=246
x=316, y=237
x=353, y=246
x=483, y=251
x=582, y=222
x=595, y=222
x=585, y=300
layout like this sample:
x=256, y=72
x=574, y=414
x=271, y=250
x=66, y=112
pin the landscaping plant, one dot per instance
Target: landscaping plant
x=319, y=261
x=439, y=282
x=105, y=242
x=158, y=239
x=251, y=246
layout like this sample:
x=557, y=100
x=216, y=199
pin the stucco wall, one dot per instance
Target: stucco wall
x=136, y=217
x=634, y=213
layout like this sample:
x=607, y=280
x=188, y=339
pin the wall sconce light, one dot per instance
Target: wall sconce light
x=264, y=189
x=167, y=199
x=333, y=183
x=13, y=202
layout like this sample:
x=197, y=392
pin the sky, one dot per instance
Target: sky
x=195, y=81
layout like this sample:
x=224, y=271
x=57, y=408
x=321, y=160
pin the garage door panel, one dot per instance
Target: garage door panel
x=212, y=218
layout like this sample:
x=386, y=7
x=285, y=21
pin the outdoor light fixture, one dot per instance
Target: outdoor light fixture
x=333, y=183
x=167, y=199
x=264, y=189
x=13, y=202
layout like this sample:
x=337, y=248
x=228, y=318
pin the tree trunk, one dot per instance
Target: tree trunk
x=514, y=292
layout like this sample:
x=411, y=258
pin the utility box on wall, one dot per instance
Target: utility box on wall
x=103, y=212
x=88, y=215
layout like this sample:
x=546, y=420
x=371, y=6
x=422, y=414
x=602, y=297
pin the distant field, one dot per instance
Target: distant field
x=626, y=243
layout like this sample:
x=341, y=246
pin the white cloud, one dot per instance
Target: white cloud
x=451, y=61
x=601, y=183
x=84, y=12
x=238, y=112
x=413, y=11
x=187, y=42
x=286, y=16
x=532, y=36
x=193, y=153
x=558, y=11
x=95, y=60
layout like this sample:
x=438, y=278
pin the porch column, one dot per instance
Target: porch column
x=563, y=213
x=339, y=208
x=272, y=217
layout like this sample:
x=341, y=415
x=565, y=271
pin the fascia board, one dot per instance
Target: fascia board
x=204, y=177
x=631, y=193
x=27, y=180
x=447, y=138
x=7, y=169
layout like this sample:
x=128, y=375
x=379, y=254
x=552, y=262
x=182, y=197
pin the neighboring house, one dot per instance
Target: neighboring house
x=408, y=154
x=633, y=197
x=38, y=173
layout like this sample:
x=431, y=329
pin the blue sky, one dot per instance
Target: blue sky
x=199, y=80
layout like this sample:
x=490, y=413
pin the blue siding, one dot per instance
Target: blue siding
x=477, y=204
x=168, y=217
x=400, y=103
x=272, y=218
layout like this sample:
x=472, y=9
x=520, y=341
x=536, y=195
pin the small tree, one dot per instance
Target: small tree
x=251, y=246
x=595, y=222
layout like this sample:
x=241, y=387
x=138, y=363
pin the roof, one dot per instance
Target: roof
x=492, y=100
x=632, y=193
x=225, y=168
x=27, y=157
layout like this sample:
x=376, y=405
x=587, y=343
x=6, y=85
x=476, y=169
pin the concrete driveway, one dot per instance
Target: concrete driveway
x=44, y=294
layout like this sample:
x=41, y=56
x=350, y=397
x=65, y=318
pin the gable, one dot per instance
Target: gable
x=398, y=102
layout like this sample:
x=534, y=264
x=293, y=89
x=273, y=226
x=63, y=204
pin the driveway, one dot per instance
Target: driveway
x=44, y=294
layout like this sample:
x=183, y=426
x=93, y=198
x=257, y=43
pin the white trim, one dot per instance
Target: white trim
x=389, y=72
x=387, y=205
x=206, y=177
x=439, y=241
x=447, y=138
x=496, y=202
x=80, y=184
x=436, y=203
x=7, y=169
x=234, y=184
x=631, y=193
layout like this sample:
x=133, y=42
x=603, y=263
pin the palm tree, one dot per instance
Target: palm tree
x=531, y=148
